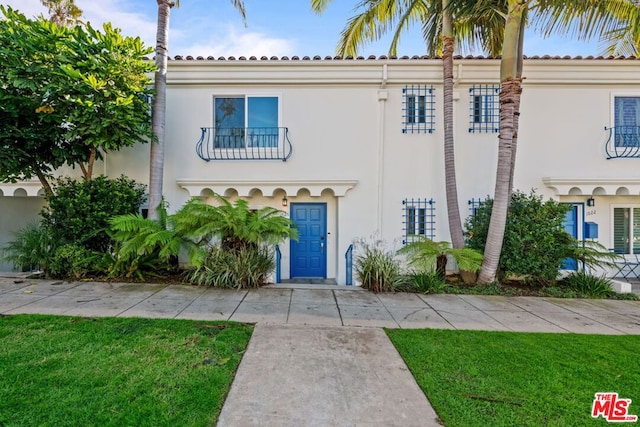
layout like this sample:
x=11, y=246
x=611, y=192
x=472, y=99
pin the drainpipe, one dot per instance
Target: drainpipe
x=382, y=97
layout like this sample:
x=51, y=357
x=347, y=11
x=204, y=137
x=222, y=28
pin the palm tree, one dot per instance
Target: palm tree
x=589, y=17
x=156, y=157
x=440, y=30
x=618, y=36
x=63, y=12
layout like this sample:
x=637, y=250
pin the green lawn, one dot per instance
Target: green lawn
x=475, y=378
x=66, y=371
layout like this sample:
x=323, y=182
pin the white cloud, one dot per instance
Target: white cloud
x=97, y=12
x=30, y=8
x=185, y=38
x=234, y=43
x=131, y=23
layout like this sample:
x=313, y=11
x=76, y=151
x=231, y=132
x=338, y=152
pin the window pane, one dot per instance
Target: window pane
x=422, y=221
x=477, y=109
x=422, y=109
x=626, y=121
x=263, y=121
x=621, y=230
x=263, y=112
x=229, y=113
x=411, y=221
x=229, y=122
x=411, y=108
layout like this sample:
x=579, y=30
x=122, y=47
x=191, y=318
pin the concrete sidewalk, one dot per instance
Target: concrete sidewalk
x=317, y=356
x=319, y=305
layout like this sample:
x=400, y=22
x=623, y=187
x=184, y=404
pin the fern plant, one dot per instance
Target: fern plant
x=235, y=225
x=426, y=255
x=145, y=244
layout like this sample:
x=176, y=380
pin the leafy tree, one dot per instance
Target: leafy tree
x=156, y=155
x=67, y=94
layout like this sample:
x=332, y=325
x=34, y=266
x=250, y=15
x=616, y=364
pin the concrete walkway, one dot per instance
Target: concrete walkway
x=320, y=305
x=318, y=356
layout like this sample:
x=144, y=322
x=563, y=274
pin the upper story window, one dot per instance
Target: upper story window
x=626, y=121
x=246, y=121
x=484, y=108
x=626, y=230
x=418, y=108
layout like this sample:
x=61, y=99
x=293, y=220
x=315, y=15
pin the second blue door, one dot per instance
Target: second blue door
x=571, y=226
x=309, y=253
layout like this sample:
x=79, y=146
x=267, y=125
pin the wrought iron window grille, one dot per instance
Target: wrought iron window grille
x=418, y=219
x=623, y=141
x=484, y=115
x=474, y=205
x=418, y=109
x=250, y=143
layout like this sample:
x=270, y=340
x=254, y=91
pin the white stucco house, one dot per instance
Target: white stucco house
x=352, y=148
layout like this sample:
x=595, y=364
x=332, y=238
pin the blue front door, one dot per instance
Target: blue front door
x=309, y=253
x=571, y=226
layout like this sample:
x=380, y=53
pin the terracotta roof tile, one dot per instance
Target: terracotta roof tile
x=385, y=57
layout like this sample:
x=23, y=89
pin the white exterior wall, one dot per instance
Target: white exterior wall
x=16, y=213
x=344, y=119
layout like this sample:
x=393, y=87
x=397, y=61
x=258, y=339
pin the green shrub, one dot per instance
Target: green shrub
x=535, y=242
x=31, y=248
x=424, y=282
x=247, y=267
x=376, y=268
x=73, y=261
x=79, y=211
x=589, y=286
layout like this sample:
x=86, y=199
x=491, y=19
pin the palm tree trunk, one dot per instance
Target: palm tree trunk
x=156, y=160
x=511, y=86
x=516, y=107
x=453, y=210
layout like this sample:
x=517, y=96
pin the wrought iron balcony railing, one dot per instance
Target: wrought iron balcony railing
x=623, y=141
x=244, y=144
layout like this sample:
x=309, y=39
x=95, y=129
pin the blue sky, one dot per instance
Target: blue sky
x=275, y=27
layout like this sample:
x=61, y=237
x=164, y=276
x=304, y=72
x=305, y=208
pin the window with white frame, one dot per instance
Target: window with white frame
x=484, y=108
x=418, y=109
x=626, y=230
x=626, y=121
x=245, y=121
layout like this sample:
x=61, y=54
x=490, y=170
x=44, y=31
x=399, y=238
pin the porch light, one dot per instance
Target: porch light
x=285, y=202
x=591, y=201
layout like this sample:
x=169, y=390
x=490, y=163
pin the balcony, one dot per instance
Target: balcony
x=252, y=143
x=623, y=141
